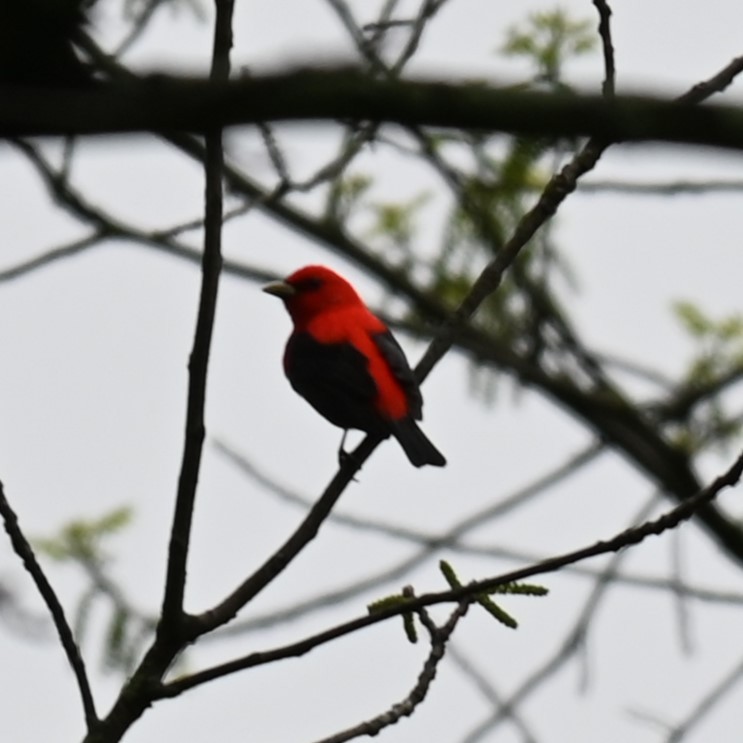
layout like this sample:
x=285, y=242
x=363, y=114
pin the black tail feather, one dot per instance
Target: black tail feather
x=416, y=444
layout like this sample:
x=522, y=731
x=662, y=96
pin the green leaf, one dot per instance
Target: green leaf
x=522, y=589
x=116, y=639
x=397, y=221
x=484, y=600
x=387, y=602
x=346, y=196
x=692, y=318
x=501, y=615
x=81, y=539
x=392, y=602
x=408, y=623
x=448, y=572
x=548, y=40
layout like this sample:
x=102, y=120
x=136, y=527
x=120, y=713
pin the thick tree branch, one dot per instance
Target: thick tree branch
x=165, y=104
x=631, y=436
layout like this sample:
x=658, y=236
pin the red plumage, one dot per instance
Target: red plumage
x=345, y=362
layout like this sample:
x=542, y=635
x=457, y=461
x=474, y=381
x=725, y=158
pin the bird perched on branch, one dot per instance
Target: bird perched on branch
x=345, y=362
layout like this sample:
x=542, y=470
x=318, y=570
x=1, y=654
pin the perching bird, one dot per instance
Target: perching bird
x=345, y=362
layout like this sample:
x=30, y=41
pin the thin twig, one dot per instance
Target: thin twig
x=427, y=11
x=607, y=46
x=706, y=704
x=23, y=550
x=430, y=543
x=626, y=538
x=108, y=227
x=139, y=25
x=297, y=541
x=604, y=581
x=715, y=84
x=680, y=593
x=59, y=253
x=572, y=644
x=365, y=49
x=502, y=504
x=488, y=691
x=439, y=637
x=658, y=188
x=172, y=607
x=558, y=188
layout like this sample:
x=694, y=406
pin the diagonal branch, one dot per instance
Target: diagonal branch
x=632, y=536
x=24, y=551
x=439, y=638
x=282, y=557
x=705, y=705
x=574, y=642
x=554, y=194
x=106, y=226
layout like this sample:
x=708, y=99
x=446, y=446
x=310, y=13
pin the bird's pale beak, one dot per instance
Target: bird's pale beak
x=280, y=289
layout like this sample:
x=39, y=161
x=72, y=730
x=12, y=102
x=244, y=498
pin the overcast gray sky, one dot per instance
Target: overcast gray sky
x=93, y=389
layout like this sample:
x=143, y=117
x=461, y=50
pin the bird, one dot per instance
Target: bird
x=344, y=361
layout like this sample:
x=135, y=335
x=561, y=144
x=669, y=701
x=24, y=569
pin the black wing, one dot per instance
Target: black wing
x=395, y=357
x=334, y=378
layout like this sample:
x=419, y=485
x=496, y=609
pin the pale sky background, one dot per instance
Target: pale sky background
x=92, y=394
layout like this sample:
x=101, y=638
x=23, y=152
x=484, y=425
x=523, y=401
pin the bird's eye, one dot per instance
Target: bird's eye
x=309, y=285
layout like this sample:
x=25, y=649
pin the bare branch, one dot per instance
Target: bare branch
x=283, y=556
x=604, y=12
x=165, y=104
x=23, y=550
x=658, y=188
x=52, y=256
x=626, y=538
x=488, y=691
x=439, y=638
x=706, y=704
x=199, y=360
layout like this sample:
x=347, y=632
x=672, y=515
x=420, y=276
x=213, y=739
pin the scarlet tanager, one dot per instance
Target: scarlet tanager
x=345, y=362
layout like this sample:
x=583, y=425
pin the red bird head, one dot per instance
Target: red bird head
x=313, y=290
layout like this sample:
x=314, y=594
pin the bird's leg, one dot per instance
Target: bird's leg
x=343, y=455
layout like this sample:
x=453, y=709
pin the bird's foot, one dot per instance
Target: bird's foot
x=346, y=458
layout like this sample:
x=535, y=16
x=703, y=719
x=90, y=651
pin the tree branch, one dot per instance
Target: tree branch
x=199, y=360
x=283, y=556
x=23, y=550
x=167, y=104
x=439, y=638
x=626, y=538
x=171, y=635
